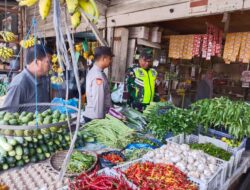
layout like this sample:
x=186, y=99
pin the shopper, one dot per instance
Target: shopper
x=141, y=82
x=205, y=86
x=31, y=84
x=97, y=86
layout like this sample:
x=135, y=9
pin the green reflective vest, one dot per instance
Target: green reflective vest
x=146, y=80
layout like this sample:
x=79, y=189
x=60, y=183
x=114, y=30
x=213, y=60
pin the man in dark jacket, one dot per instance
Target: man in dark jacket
x=205, y=87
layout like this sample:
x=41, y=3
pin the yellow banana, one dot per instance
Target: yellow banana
x=27, y=2
x=87, y=7
x=8, y=36
x=76, y=19
x=6, y=53
x=72, y=6
x=44, y=8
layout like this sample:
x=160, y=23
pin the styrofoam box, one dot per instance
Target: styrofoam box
x=139, y=32
x=213, y=184
x=229, y=166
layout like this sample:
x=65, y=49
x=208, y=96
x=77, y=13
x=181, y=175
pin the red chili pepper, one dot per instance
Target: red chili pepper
x=149, y=176
x=114, y=158
x=101, y=182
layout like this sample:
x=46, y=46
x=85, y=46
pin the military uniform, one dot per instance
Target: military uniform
x=97, y=93
x=141, y=86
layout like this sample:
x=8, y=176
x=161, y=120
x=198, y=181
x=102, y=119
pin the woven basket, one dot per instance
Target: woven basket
x=56, y=162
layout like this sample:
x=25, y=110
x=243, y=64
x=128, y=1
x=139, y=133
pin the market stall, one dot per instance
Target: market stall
x=202, y=146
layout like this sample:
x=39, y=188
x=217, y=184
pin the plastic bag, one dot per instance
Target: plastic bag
x=139, y=146
x=105, y=163
x=117, y=94
x=62, y=109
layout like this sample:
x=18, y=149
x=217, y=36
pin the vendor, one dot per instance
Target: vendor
x=205, y=86
x=141, y=81
x=97, y=86
x=24, y=88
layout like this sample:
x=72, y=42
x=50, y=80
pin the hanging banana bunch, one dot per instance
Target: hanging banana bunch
x=55, y=66
x=28, y=43
x=73, y=8
x=27, y=3
x=44, y=8
x=6, y=53
x=8, y=36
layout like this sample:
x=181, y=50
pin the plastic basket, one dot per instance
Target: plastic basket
x=228, y=166
x=198, y=183
x=217, y=179
x=220, y=134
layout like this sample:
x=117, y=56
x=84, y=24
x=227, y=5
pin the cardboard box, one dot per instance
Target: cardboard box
x=139, y=32
x=155, y=36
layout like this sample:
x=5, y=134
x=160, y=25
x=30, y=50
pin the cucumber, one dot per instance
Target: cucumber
x=40, y=137
x=29, y=139
x=2, y=160
x=35, y=140
x=25, y=157
x=12, y=153
x=27, y=161
x=30, y=145
x=33, y=159
x=19, y=150
x=32, y=151
x=2, y=152
x=39, y=150
x=47, y=155
x=10, y=160
x=12, y=141
x=3, y=143
x=20, y=163
x=41, y=157
x=17, y=157
x=5, y=166
x=19, y=139
x=25, y=151
x=67, y=137
x=44, y=148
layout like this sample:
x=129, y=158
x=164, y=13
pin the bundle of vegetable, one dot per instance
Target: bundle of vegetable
x=133, y=154
x=17, y=151
x=175, y=120
x=135, y=120
x=212, y=150
x=80, y=162
x=110, y=132
x=149, y=176
x=113, y=158
x=98, y=182
x=222, y=112
x=29, y=118
x=156, y=108
x=195, y=163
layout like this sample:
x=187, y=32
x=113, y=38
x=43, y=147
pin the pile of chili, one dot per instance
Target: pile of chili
x=150, y=176
x=98, y=182
x=113, y=158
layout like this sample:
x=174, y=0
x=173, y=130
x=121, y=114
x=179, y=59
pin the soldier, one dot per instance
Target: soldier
x=97, y=86
x=141, y=82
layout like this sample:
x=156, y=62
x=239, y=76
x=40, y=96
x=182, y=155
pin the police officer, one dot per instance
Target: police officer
x=141, y=82
x=97, y=86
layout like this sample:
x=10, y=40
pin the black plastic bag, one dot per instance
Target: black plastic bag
x=106, y=163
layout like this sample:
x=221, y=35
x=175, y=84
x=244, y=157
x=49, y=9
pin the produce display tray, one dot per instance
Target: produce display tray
x=56, y=162
x=31, y=177
x=32, y=109
x=219, y=134
x=229, y=166
x=125, y=166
